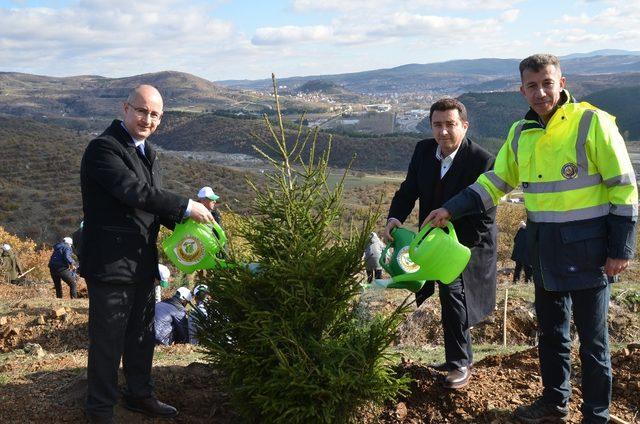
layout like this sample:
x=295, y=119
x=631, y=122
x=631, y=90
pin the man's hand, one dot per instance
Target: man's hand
x=391, y=224
x=201, y=213
x=615, y=266
x=438, y=218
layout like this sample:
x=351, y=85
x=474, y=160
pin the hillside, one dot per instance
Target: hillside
x=491, y=114
x=90, y=102
x=40, y=179
x=211, y=132
x=624, y=104
x=322, y=86
x=451, y=77
x=578, y=85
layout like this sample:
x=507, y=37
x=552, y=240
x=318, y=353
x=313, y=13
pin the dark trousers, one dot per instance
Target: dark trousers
x=457, y=337
x=121, y=319
x=528, y=272
x=373, y=272
x=590, y=309
x=68, y=277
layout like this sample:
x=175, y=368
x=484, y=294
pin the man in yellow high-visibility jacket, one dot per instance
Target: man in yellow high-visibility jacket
x=582, y=204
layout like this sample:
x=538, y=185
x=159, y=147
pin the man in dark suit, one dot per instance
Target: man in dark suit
x=124, y=205
x=440, y=167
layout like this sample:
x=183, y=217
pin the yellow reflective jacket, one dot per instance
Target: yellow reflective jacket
x=579, y=188
x=576, y=168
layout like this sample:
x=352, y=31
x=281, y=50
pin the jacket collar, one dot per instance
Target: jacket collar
x=117, y=130
x=533, y=120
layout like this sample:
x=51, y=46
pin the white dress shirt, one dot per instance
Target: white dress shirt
x=445, y=162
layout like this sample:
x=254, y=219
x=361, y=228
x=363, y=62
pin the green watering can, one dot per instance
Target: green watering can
x=396, y=261
x=438, y=255
x=193, y=246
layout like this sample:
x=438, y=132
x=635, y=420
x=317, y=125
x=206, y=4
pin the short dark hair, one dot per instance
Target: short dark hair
x=538, y=61
x=449, y=103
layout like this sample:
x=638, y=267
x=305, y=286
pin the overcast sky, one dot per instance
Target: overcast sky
x=232, y=39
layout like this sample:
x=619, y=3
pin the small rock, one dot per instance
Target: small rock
x=41, y=320
x=34, y=349
x=60, y=312
x=10, y=331
x=626, y=352
x=3, y=320
x=401, y=411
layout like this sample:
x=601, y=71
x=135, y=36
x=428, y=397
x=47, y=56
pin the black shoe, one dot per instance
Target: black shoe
x=457, y=378
x=440, y=366
x=541, y=411
x=99, y=419
x=443, y=366
x=150, y=406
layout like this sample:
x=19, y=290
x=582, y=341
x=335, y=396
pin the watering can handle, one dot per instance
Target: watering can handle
x=450, y=227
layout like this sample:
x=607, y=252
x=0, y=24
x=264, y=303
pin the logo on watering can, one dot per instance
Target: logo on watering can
x=405, y=262
x=189, y=250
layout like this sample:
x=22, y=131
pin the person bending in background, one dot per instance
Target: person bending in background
x=10, y=263
x=200, y=294
x=171, y=322
x=62, y=266
x=372, y=257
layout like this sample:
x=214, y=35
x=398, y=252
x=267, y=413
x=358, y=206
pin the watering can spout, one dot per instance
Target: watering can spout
x=396, y=283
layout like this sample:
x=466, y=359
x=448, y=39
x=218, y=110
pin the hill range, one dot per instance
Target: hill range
x=40, y=179
x=45, y=123
x=453, y=77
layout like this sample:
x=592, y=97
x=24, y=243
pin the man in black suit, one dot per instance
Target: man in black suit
x=124, y=205
x=440, y=167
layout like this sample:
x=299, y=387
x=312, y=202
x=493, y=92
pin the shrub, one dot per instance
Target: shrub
x=29, y=255
x=287, y=336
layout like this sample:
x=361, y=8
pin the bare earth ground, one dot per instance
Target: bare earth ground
x=48, y=384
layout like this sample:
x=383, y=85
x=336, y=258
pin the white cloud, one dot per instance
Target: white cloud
x=113, y=37
x=387, y=5
x=339, y=5
x=291, y=34
x=384, y=29
x=616, y=24
x=510, y=15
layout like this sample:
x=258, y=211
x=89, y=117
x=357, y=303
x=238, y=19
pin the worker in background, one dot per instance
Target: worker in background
x=63, y=267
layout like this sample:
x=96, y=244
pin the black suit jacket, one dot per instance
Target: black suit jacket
x=477, y=232
x=123, y=205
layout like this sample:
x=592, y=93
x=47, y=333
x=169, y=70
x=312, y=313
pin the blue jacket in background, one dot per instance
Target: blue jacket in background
x=61, y=257
x=172, y=325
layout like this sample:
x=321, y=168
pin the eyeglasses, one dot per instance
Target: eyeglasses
x=143, y=113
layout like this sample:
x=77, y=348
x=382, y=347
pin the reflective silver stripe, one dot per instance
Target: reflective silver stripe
x=563, y=185
x=514, y=140
x=581, y=141
x=567, y=216
x=620, y=180
x=625, y=210
x=498, y=182
x=485, y=197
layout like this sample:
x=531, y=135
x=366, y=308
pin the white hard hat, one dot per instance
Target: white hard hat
x=184, y=293
x=164, y=272
x=207, y=193
x=68, y=240
x=6, y=247
x=200, y=288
